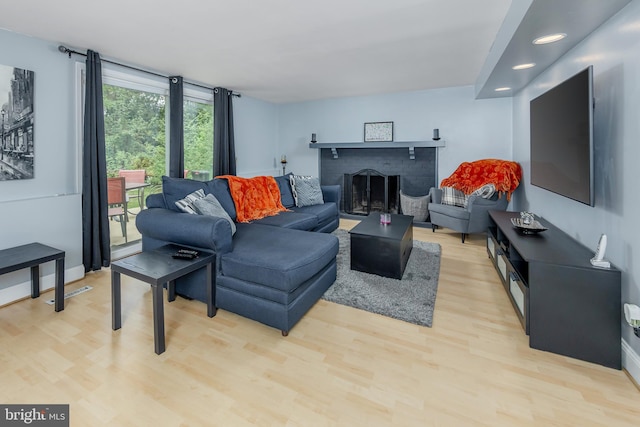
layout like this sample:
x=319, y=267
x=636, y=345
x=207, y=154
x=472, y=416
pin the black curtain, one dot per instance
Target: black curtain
x=224, y=150
x=176, y=127
x=96, y=251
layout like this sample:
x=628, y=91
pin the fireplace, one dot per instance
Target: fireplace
x=415, y=164
x=369, y=191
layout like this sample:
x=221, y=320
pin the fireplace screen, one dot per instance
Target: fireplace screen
x=369, y=191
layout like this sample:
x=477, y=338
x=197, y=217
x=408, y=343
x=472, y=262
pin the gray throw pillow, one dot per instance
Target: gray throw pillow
x=210, y=206
x=186, y=204
x=286, y=194
x=306, y=190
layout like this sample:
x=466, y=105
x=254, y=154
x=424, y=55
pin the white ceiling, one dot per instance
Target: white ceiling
x=279, y=50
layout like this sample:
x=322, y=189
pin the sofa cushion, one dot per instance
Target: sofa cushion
x=187, y=203
x=175, y=189
x=306, y=190
x=210, y=206
x=286, y=196
x=324, y=212
x=296, y=221
x=220, y=189
x=277, y=257
x=449, y=210
x=266, y=293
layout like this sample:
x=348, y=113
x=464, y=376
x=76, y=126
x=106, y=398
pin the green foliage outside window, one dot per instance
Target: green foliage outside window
x=135, y=133
x=134, y=123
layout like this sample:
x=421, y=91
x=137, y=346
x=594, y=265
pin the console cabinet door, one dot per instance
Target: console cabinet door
x=575, y=312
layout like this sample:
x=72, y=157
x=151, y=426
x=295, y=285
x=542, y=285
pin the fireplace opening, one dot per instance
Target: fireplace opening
x=369, y=191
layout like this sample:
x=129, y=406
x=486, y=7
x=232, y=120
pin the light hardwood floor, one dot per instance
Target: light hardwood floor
x=338, y=366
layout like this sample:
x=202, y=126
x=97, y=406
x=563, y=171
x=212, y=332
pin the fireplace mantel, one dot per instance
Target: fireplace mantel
x=411, y=145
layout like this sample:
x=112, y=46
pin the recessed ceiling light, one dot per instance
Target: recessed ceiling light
x=550, y=38
x=502, y=89
x=524, y=66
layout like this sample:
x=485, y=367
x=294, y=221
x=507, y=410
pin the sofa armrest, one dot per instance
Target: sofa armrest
x=479, y=211
x=201, y=231
x=435, y=195
x=331, y=193
x=156, y=201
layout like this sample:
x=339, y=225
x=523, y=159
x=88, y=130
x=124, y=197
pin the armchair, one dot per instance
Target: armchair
x=472, y=219
x=470, y=178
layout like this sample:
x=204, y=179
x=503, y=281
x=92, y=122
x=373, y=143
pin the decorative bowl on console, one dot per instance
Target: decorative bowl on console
x=532, y=227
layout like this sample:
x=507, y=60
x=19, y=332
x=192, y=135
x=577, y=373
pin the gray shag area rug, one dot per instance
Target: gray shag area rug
x=411, y=299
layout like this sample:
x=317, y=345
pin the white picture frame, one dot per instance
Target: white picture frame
x=378, y=132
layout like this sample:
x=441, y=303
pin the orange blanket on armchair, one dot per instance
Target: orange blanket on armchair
x=254, y=198
x=469, y=176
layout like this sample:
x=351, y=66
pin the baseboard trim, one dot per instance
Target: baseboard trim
x=23, y=290
x=631, y=361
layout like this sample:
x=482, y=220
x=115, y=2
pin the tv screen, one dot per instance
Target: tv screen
x=562, y=138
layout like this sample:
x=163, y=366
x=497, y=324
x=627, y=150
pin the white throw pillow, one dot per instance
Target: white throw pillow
x=486, y=191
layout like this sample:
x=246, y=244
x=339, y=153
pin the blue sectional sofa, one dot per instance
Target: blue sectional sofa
x=271, y=270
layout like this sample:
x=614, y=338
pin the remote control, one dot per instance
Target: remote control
x=179, y=255
x=188, y=251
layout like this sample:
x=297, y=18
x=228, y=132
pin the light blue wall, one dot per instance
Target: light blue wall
x=473, y=129
x=45, y=209
x=256, y=129
x=613, y=52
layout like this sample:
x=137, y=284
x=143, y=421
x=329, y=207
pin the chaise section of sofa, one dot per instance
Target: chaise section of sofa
x=271, y=270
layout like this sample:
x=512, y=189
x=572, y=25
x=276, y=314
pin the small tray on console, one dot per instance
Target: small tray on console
x=532, y=228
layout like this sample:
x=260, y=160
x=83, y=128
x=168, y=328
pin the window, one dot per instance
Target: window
x=136, y=108
x=198, y=135
x=135, y=124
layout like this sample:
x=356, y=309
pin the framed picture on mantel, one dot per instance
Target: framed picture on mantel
x=378, y=132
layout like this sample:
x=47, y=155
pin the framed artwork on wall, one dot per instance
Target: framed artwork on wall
x=16, y=123
x=378, y=132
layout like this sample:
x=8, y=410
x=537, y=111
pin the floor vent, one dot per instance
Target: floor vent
x=72, y=294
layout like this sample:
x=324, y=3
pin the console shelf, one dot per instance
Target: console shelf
x=565, y=305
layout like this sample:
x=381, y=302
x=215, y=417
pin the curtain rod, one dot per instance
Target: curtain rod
x=67, y=51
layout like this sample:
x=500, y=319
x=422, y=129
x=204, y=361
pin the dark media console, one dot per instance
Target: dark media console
x=565, y=305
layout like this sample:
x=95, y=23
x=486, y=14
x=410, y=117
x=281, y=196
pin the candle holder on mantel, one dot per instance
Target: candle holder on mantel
x=283, y=161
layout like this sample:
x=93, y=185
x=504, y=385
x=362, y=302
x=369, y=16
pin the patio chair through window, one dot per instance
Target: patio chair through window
x=117, y=202
x=135, y=181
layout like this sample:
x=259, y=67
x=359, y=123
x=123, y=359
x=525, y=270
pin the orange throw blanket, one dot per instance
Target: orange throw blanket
x=469, y=176
x=255, y=197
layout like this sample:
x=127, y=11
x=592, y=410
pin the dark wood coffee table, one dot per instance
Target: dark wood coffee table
x=382, y=249
x=157, y=267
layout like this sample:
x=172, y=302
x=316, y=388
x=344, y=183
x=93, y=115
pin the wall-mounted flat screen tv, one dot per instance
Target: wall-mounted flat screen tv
x=562, y=138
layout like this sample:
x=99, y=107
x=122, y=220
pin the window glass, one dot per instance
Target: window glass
x=135, y=142
x=198, y=139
